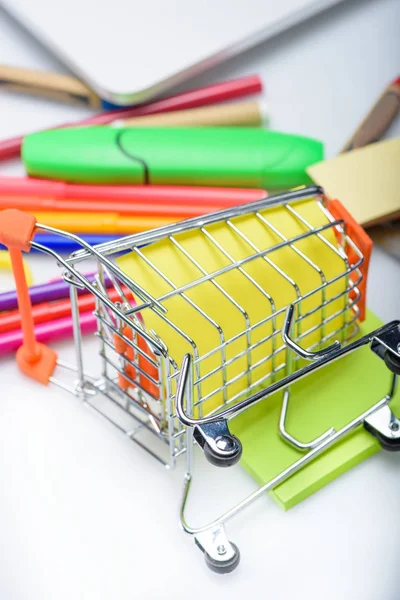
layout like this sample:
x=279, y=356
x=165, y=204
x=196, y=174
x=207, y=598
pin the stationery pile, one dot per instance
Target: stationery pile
x=131, y=170
x=136, y=169
x=109, y=168
x=232, y=289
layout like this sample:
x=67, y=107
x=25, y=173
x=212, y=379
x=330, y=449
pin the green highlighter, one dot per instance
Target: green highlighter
x=212, y=156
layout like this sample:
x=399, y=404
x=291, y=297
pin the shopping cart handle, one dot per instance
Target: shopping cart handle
x=306, y=354
x=384, y=342
x=184, y=387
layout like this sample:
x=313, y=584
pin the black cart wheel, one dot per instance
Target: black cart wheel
x=388, y=443
x=392, y=362
x=226, y=566
x=224, y=460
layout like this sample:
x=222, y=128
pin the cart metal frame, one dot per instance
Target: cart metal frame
x=157, y=397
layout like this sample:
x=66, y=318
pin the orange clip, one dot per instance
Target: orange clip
x=125, y=350
x=16, y=232
x=147, y=369
x=363, y=242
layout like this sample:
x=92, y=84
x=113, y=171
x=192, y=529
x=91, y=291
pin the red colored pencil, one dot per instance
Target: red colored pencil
x=34, y=205
x=27, y=187
x=50, y=311
x=211, y=94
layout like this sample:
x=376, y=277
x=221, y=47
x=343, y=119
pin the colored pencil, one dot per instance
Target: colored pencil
x=50, y=311
x=56, y=331
x=56, y=205
x=29, y=187
x=109, y=222
x=45, y=292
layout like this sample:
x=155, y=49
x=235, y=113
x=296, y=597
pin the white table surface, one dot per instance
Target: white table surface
x=84, y=514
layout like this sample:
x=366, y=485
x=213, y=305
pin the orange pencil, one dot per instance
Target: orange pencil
x=84, y=222
x=145, y=209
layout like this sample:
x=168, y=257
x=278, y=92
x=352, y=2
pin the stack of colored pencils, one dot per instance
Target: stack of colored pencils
x=51, y=312
x=101, y=213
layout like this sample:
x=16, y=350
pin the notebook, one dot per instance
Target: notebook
x=130, y=51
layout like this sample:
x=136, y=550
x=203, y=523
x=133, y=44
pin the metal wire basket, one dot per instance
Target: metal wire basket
x=256, y=293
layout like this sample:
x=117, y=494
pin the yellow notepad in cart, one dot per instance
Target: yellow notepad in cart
x=232, y=323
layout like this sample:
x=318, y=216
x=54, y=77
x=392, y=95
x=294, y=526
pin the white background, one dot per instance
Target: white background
x=84, y=514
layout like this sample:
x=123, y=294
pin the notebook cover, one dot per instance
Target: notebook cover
x=366, y=180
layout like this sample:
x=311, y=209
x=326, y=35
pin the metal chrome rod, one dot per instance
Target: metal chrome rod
x=241, y=263
x=286, y=335
x=69, y=263
x=299, y=464
x=290, y=438
x=76, y=324
x=101, y=296
x=152, y=236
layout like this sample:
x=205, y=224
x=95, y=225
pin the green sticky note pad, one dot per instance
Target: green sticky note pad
x=331, y=397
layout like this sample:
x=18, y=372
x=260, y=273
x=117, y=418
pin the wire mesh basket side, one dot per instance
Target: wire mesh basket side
x=237, y=362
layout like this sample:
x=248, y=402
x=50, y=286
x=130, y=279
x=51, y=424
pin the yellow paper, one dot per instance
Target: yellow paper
x=233, y=308
x=365, y=180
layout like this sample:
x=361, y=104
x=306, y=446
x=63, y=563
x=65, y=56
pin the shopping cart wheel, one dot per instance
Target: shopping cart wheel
x=221, y=566
x=389, y=444
x=385, y=426
x=392, y=362
x=230, y=444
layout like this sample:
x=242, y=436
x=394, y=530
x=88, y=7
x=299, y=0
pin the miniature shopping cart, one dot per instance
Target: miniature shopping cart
x=260, y=296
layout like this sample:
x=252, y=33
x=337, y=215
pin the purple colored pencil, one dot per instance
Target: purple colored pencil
x=46, y=292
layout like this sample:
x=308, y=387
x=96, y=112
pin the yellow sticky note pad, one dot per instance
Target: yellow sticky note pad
x=235, y=318
x=366, y=180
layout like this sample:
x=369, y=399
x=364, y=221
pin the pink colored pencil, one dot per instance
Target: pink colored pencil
x=52, y=331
